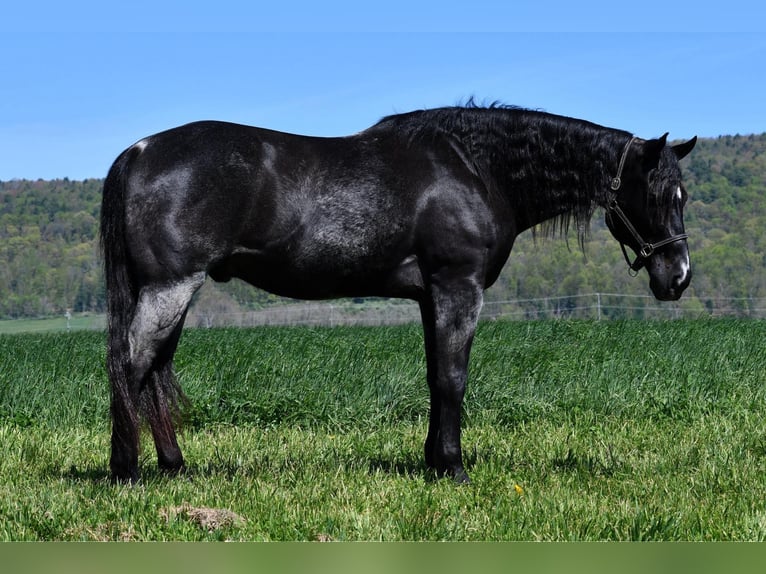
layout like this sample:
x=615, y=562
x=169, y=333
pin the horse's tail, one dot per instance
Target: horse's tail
x=121, y=292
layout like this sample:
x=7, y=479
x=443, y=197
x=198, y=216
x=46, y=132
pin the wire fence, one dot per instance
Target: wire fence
x=592, y=306
x=598, y=306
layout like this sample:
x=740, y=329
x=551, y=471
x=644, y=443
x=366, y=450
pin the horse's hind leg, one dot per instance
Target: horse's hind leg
x=153, y=337
x=159, y=404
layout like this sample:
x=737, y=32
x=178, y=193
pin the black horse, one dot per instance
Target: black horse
x=423, y=205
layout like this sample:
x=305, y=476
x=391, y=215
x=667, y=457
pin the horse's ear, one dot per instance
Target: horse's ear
x=682, y=150
x=652, y=151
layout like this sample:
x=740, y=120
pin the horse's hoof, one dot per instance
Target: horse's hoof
x=129, y=479
x=460, y=477
x=173, y=471
x=171, y=466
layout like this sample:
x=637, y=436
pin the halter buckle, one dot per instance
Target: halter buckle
x=646, y=250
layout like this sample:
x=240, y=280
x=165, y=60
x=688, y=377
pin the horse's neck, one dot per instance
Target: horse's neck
x=548, y=175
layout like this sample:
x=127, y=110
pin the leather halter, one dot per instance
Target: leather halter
x=646, y=249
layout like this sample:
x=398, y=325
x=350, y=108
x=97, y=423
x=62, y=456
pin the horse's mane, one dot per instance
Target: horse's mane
x=507, y=145
x=565, y=164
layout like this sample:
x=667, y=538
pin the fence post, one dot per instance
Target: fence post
x=598, y=306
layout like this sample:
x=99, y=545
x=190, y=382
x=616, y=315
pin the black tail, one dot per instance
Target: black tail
x=121, y=292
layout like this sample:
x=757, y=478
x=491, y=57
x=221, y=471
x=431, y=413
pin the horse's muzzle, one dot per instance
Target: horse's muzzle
x=668, y=280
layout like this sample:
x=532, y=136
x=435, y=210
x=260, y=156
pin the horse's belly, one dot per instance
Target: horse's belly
x=309, y=276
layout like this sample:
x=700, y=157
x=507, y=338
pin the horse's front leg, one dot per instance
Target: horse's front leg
x=449, y=316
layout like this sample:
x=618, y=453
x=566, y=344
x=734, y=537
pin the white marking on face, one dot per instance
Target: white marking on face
x=685, y=266
x=679, y=195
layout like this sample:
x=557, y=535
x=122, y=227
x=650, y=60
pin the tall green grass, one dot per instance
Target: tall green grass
x=573, y=431
x=349, y=376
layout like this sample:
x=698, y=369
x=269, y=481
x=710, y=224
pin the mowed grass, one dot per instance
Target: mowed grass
x=77, y=321
x=573, y=430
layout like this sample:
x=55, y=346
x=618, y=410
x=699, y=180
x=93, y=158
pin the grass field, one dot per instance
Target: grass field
x=574, y=430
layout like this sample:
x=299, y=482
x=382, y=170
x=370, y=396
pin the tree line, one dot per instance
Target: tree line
x=49, y=258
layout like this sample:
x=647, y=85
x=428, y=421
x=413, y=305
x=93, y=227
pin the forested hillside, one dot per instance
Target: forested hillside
x=49, y=248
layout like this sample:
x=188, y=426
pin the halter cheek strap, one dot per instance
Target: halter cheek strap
x=646, y=249
x=617, y=180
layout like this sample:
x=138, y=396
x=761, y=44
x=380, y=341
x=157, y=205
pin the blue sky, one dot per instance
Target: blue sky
x=80, y=81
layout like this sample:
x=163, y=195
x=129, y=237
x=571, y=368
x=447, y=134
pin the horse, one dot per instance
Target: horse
x=424, y=205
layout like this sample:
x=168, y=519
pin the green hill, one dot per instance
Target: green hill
x=49, y=258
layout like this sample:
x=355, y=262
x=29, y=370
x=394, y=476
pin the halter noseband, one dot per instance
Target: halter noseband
x=646, y=249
